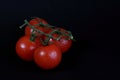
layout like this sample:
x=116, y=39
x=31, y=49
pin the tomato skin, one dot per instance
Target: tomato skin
x=33, y=22
x=25, y=48
x=63, y=44
x=47, y=57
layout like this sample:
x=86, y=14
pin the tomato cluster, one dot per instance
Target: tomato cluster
x=43, y=43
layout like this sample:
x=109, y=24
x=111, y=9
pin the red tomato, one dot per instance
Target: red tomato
x=63, y=43
x=25, y=48
x=33, y=22
x=47, y=57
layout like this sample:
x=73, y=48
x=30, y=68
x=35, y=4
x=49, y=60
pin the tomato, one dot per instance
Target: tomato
x=33, y=22
x=47, y=57
x=25, y=48
x=64, y=44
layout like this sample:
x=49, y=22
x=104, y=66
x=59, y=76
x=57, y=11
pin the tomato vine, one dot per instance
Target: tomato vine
x=45, y=42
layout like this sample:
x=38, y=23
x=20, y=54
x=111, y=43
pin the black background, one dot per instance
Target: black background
x=94, y=24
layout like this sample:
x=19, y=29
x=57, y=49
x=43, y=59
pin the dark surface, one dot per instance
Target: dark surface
x=94, y=24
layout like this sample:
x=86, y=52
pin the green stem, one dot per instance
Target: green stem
x=59, y=38
x=34, y=28
x=69, y=34
x=48, y=35
x=56, y=31
x=48, y=25
x=22, y=25
x=33, y=36
x=47, y=40
x=42, y=24
x=43, y=43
